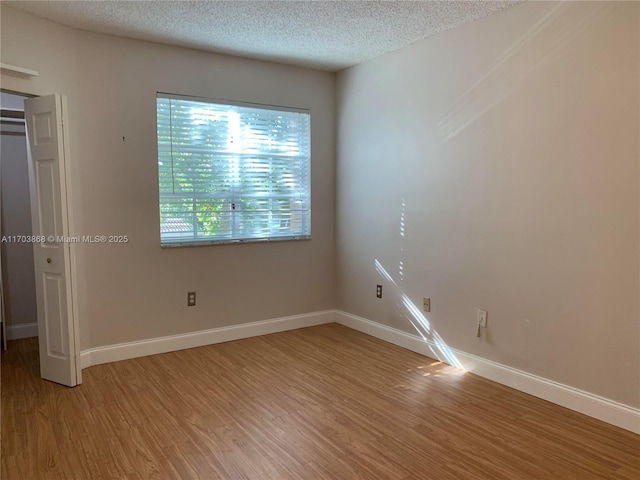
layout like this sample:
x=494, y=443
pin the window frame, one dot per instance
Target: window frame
x=192, y=242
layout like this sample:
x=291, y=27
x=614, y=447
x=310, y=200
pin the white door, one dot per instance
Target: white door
x=57, y=324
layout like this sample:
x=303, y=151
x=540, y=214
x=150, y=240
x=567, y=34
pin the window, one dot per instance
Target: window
x=232, y=172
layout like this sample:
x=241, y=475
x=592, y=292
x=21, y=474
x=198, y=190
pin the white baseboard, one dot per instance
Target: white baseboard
x=22, y=330
x=578, y=400
x=153, y=346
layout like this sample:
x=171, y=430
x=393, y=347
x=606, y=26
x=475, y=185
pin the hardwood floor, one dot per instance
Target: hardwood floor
x=324, y=402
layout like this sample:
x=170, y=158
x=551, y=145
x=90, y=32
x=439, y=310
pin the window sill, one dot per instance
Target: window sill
x=234, y=241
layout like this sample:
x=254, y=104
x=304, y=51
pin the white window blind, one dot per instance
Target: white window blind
x=232, y=172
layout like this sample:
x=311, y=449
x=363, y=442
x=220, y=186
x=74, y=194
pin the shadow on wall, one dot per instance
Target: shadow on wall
x=498, y=83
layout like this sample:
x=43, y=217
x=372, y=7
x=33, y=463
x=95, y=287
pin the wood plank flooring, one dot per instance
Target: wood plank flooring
x=325, y=402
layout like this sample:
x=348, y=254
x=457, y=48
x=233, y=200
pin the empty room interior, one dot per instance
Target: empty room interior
x=320, y=240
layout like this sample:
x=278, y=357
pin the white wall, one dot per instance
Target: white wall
x=17, y=257
x=138, y=290
x=496, y=166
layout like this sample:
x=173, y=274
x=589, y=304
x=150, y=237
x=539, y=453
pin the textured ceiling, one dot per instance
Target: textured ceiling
x=328, y=35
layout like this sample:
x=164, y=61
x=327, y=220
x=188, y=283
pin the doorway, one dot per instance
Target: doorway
x=46, y=209
x=16, y=252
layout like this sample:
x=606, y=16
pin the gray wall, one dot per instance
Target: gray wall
x=17, y=258
x=495, y=166
x=137, y=290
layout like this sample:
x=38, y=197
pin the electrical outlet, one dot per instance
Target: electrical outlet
x=191, y=299
x=379, y=291
x=482, y=318
x=426, y=304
